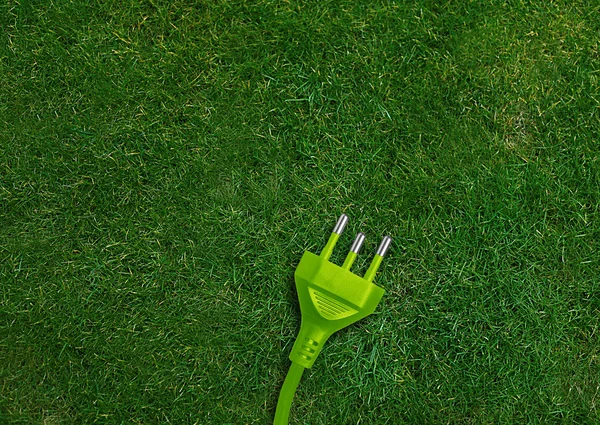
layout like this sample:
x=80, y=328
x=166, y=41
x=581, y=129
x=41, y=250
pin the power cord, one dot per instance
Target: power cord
x=331, y=298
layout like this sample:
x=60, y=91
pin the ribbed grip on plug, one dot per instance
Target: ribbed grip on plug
x=329, y=307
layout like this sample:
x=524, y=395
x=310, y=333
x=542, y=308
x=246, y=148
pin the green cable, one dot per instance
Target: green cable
x=286, y=395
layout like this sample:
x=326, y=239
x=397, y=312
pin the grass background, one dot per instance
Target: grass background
x=164, y=164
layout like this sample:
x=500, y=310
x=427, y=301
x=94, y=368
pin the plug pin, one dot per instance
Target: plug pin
x=335, y=235
x=381, y=251
x=341, y=224
x=354, y=250
x=384, y=246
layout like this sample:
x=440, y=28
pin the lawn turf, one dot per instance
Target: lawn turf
x=164, y=164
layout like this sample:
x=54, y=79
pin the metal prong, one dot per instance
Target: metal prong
x=341, y=224
x=358, y=243
x=335, y=235
x=354, y=250
x=384, y=246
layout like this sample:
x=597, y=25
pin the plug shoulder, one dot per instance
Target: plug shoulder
x=336, y=283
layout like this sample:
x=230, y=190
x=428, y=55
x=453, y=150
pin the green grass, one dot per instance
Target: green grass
x=163, y=165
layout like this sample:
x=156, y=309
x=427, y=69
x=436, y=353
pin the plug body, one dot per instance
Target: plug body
x=331, y=298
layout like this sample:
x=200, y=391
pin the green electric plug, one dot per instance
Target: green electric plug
x=331, y=298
